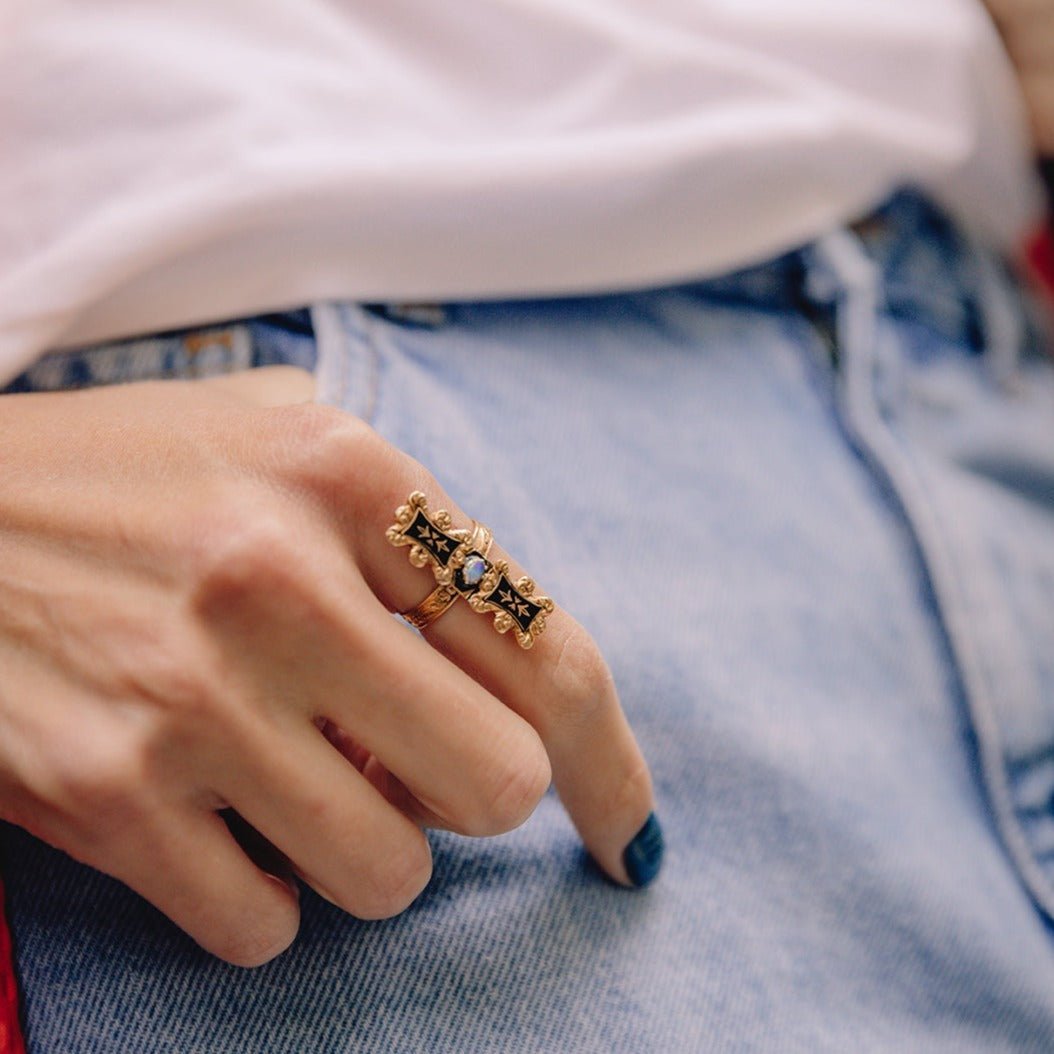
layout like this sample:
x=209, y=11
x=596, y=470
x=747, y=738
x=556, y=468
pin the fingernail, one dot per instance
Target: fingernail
x=643, y=856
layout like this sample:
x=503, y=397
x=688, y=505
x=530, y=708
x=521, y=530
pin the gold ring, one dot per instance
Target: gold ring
x=459, y=561
x=438, y=602
x=435, y=604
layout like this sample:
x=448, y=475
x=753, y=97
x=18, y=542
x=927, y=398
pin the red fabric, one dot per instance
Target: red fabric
x=10, y=1033
x=1039, y=253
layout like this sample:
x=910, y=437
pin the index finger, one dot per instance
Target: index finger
x=561, y=686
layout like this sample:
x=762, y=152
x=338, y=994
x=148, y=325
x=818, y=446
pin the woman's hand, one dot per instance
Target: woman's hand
x=195, y=598
x=1027, y=27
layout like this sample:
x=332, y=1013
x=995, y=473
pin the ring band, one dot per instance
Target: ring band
x=435, y=604
x=439, y=601
x=459, y=561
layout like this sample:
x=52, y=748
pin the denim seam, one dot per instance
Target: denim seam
x=857, y=326
x=360, y=329
x=347, y=366
x=369, y=326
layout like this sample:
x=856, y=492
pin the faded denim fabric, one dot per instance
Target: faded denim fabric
x=808, y=513
x=281, y=339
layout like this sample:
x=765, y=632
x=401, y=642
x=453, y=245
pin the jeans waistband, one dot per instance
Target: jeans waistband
x=932, y=277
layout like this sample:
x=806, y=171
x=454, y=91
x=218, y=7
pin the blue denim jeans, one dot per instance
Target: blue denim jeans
x=808, y=513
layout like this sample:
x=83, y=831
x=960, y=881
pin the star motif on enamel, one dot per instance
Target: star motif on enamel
x=427, y=535
x=515, y=607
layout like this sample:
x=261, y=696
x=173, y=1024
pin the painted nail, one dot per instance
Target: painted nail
x=643, y=856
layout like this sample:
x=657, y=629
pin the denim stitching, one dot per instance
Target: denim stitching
x=344, y=340
x=842, y=255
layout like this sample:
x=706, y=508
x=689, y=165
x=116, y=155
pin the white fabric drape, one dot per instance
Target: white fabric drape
x=163, y=165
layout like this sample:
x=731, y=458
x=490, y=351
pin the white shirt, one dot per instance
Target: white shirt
x=168, y=164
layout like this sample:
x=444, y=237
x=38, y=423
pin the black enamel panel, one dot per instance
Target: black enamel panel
x=423, y=531
x=510, y=599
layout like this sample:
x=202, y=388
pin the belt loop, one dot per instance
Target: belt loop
x=346, y=366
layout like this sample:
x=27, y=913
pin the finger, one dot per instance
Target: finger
x=561, y=687
x=323, y=647
x=473, y=764
x=188, y=865
x=386, y=783
x=351, y=845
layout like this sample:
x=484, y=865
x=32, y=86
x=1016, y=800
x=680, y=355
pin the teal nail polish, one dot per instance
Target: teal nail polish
x=643, y=856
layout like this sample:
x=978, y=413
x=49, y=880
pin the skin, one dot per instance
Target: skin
x=195, y=598
x=1027, y=28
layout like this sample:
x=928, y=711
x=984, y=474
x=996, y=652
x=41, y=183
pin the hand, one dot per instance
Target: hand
x=195, y=598
x=1027, y=27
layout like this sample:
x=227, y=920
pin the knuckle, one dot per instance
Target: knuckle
x=240, y=556
x=395, y=880
x=347, y=465
x=328, y=451
x=514, y=792
x=581, y=680
x=307, y=428
x=103, y=779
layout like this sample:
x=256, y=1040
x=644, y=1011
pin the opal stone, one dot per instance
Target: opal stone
x=473, y=569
